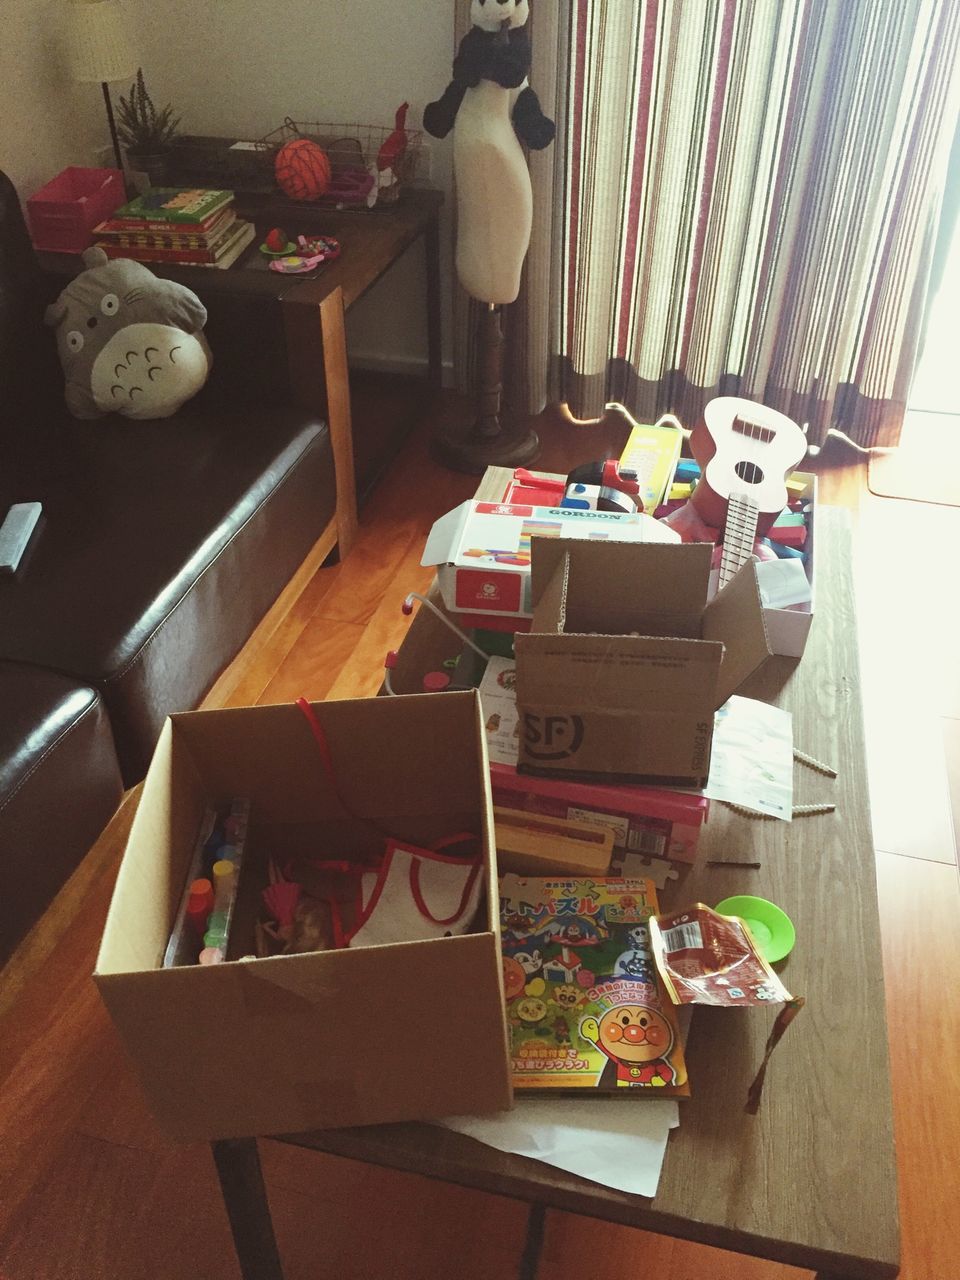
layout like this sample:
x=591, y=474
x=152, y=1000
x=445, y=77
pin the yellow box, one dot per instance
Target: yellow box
x=653, y=451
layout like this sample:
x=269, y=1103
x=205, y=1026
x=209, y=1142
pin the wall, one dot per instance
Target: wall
x=46, y=121
x=238, y=67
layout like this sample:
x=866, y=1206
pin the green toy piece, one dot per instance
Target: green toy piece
x=772, y=928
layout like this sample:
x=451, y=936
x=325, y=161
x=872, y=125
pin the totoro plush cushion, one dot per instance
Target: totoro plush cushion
x=129, y=342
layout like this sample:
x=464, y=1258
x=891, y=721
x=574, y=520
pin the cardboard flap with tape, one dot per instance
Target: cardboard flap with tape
x=624, y=666
x=735, y=617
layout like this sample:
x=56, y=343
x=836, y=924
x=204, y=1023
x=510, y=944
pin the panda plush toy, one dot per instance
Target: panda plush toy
x=496, y=48
x=492, y=110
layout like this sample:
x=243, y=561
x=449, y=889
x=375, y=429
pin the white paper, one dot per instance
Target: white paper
x=752, y=760
x=619, y=1143
x=498, y=697
x=783, y=583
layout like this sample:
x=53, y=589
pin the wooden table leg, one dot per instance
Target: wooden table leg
x=245, y=1198
x=431, y=244
x=533, y=1243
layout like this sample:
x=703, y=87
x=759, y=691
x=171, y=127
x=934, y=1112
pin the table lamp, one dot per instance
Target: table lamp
x=99, y=50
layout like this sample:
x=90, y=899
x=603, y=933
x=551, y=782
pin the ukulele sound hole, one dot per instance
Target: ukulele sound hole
x=749, y=472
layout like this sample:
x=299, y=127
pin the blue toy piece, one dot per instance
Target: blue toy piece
x=784, y=553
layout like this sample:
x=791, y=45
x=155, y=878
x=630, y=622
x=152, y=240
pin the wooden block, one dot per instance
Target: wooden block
x=533, y=844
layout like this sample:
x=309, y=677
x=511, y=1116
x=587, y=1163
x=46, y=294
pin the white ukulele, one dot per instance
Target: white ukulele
x=744, y=447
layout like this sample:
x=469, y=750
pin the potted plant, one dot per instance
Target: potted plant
x=145, y=132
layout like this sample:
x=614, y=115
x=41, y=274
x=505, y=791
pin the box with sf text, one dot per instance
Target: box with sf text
x=626, y=662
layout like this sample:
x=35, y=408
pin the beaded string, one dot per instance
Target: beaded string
x=799, y=810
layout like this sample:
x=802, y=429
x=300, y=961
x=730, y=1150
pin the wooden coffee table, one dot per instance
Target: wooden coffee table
x=810, y=1180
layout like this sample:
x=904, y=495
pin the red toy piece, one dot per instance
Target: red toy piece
x=395, y=143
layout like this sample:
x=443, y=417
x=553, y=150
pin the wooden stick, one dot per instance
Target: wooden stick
x=723, y=862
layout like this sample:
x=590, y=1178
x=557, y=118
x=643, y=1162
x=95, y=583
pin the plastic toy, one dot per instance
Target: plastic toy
x=772, y=928
x=308, y=253
x=276, y=244
x=302, y=169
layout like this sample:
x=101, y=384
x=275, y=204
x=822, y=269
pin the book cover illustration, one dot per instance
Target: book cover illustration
x=585, y=1008
x=174, y=204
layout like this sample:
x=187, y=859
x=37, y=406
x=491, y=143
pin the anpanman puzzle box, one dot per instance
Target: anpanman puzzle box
x=585, y=1006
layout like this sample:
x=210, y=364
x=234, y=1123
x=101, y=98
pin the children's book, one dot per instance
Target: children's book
x=191, y=206
x=223, y=254
x=174, y=237
x=585, y=1006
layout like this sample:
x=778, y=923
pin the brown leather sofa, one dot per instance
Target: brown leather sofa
x=162, y=544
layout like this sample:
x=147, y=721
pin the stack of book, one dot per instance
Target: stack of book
x=177, y=224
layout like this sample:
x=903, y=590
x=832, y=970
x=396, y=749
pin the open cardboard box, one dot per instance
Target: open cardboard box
x=326, y=1039
x=626, y=663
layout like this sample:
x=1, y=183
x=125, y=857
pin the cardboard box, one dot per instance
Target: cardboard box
x=326, y=1039
x=647, y=822
x=626, y=663
x=482, y=550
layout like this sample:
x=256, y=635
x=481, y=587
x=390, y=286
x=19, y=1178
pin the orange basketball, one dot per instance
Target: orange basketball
x=302, y=169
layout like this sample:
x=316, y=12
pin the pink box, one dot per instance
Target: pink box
x=63, y=214
x=651, y=822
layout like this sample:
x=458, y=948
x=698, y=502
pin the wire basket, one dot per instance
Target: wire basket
x=367, y=165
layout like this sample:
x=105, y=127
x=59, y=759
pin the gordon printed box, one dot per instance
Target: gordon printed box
x=482, y=550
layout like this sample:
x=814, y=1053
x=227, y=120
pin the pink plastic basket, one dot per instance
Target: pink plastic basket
x=62, y=214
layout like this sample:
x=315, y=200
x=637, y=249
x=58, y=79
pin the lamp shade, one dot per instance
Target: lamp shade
x=98, y=42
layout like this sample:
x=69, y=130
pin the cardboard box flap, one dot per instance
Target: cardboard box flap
x=444, y=537
x=550, y=612
x=150, y=881
x=651, y=588
x=620, y=674
x=388, y=761
x=735, y=617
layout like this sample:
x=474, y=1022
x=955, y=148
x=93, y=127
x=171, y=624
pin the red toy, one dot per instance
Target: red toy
x=276, y=240
x=302, y=169
x=396, y=143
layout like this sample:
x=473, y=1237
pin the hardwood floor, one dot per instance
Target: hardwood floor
x=89, y=1188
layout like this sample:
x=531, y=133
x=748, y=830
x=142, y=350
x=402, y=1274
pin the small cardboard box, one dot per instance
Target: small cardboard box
x=625, y=664
x=482, y=550
x=326, y=1039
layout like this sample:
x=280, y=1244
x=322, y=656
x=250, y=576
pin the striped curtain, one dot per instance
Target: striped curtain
x=743, y=199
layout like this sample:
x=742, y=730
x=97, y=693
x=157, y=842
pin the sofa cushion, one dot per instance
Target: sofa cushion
x=161, y=546
x=59, y=786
